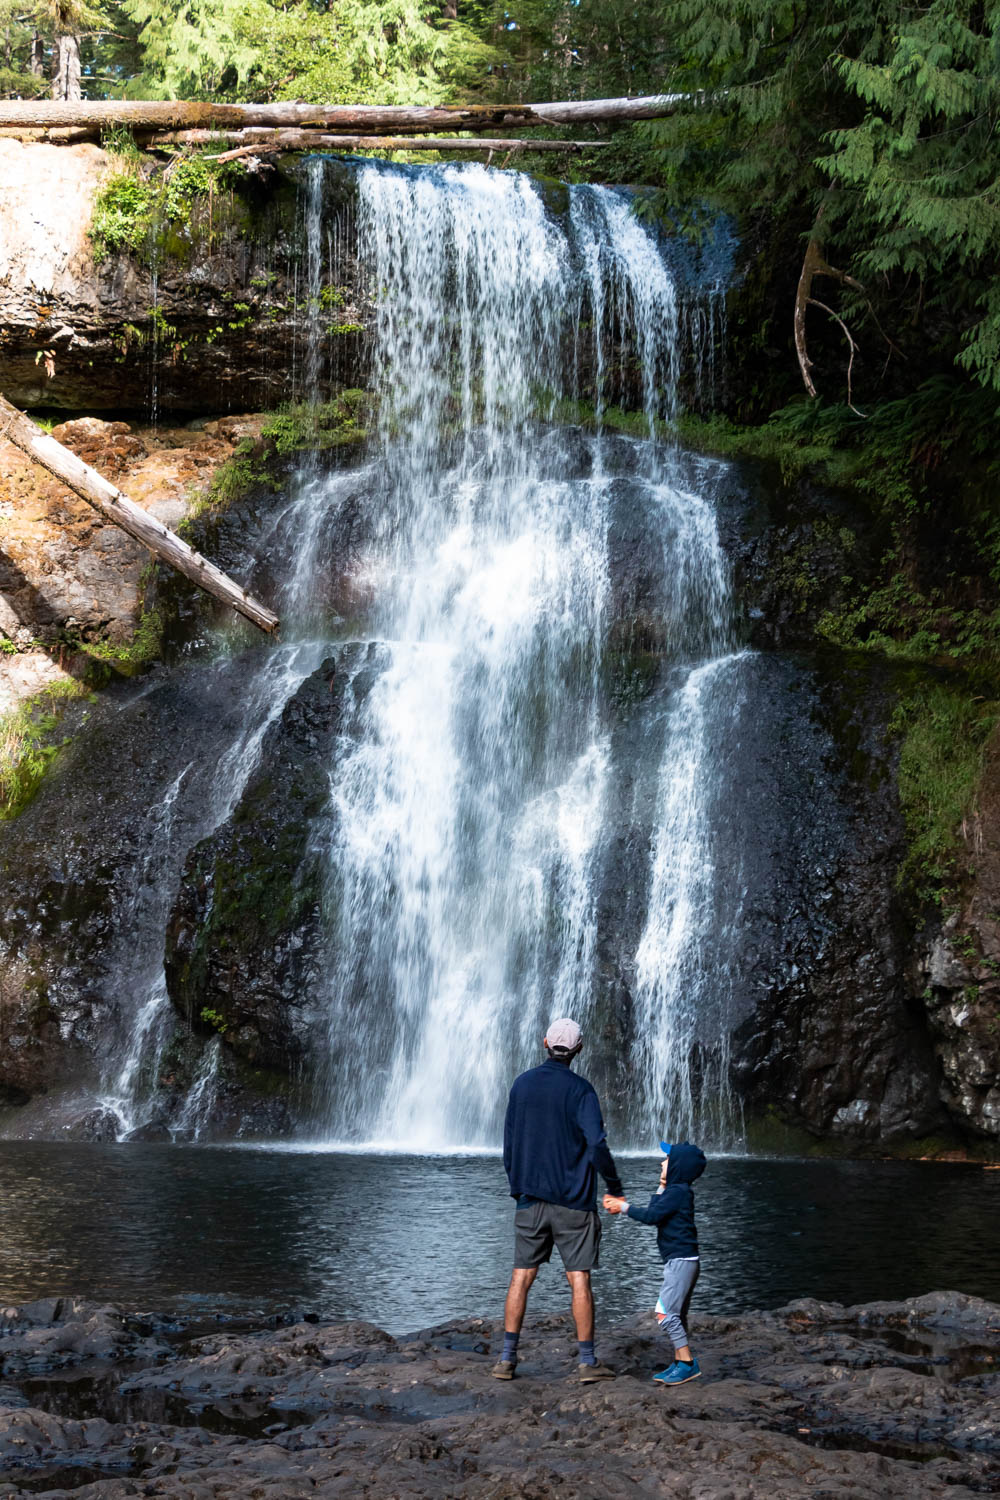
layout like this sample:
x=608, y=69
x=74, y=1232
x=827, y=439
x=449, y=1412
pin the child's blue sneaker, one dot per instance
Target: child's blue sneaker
x=678, y=1373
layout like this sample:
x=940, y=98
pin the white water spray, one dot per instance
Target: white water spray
x=467, y=840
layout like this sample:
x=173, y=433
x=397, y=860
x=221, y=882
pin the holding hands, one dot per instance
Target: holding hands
x=614, y=1205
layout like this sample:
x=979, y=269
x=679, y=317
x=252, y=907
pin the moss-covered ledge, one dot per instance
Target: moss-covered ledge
x=174, y=285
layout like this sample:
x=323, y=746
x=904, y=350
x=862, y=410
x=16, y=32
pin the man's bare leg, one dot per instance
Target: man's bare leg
x=521, y=1281
x=583, y=1316
x=513, y=1316
x=583, y=1304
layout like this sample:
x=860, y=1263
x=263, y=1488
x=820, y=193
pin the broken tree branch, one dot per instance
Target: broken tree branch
x=263, y=142
x=814, y=302
x=813, y=265
x=119, y=509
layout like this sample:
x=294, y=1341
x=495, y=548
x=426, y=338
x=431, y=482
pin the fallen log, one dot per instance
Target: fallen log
x=180, y=114
x=262, y=142
x=119, y=509
x=169, y=114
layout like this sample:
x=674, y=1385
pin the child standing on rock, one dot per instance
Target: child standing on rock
x=671, y=1209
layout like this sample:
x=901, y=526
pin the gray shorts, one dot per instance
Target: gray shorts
x=575, y=1233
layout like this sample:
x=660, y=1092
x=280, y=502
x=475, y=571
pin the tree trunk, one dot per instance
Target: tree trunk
x=164, y=114
x=119, y=509
x=37, y=56
x=66, y=67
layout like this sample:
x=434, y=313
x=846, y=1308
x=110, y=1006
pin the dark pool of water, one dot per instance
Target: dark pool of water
x=407, y=1242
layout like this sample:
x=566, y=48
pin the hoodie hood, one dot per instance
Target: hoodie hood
x=687, y=1163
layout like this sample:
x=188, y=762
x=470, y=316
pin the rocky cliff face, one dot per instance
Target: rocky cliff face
x=838, y=1033
x=955, y=972
x=797, y=555
x=208, y=315
x=247, y=936
x=851, y=1022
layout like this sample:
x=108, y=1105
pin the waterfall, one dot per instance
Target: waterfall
x=467, y=834
x=474, y=790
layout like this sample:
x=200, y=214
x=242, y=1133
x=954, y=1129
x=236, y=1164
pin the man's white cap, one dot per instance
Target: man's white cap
x=563, y=1035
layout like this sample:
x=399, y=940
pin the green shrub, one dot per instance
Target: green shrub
x=136, y=201
x=27, y=746
x=345, y=419
x=944, y=730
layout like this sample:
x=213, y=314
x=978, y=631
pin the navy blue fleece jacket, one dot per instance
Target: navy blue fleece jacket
x=553, y=1139
x=672, y=1209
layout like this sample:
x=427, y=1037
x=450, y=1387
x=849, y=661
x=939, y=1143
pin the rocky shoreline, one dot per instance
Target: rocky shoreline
x=881, y=1400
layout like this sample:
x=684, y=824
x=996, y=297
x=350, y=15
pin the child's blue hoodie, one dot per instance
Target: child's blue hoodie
x=672, y=1209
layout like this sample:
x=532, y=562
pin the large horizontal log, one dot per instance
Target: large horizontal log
x=166, y=114
x=263, y=142
x=118, y=508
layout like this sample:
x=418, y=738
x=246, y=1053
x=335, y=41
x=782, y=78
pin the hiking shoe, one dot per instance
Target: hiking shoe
x=503, y=1369
x=678, y=1373
x=589, y=1373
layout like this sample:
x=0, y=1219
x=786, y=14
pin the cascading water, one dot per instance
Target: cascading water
x=465, y=846
x=469, y=829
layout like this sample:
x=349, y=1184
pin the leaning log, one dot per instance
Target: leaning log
x=169, y=114
x=119, y=509
x=262, y=142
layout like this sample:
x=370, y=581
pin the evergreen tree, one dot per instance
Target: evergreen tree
x=349, y=51
x=190, y=48
x=923, y=165
x=64, y=48
x=867, y=135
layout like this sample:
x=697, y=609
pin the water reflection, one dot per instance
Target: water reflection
x=410, y=1241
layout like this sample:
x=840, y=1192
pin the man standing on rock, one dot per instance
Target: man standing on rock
x=553, y=1147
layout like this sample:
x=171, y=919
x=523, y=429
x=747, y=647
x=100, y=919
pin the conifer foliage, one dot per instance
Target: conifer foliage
x=869, y=129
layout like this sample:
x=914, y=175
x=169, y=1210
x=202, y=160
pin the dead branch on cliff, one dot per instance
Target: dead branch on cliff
x=813, y=265
x=63, y=121
x=121, y=511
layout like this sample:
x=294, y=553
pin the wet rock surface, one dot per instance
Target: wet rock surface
x=82, y=871
x=833, y=1034
x=245, y=939
x=207, y=317
x=955, y=973
x=883, y=1400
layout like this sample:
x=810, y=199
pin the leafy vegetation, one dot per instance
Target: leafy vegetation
x=138, y=201
x=329, y=424
x=130, y=657
x=28, y=744
x=943, y=732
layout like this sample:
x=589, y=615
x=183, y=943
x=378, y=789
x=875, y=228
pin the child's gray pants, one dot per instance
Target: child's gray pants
x=679, y=1277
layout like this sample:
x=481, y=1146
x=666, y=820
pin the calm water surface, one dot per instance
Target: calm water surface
x=407, y=1242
